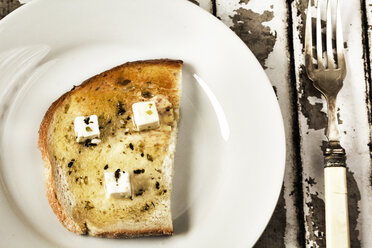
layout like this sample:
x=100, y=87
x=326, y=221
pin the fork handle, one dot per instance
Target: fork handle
x=336, y=205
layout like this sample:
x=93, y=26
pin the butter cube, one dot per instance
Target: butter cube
x=86, y=127
x=145, y=115
x=117, y=184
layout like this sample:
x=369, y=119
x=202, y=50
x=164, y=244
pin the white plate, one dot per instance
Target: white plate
x=231, y=150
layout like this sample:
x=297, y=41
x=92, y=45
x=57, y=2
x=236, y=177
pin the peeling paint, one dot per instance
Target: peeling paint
x=243, y=1
x=258, y=37
x=298, y=169
x=315, y=118
x=301, y=6
x=310, y=181
x=353, y=197
x=367, y=45
x=316, y=221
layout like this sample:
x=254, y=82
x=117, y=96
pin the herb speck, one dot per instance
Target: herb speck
x=149, y=157
x=124, y=82
x=138, y=171
x=146, y=207
x=146, y=94
x=88, y=205
x=71, y=163
x=88, y=143
x=117, y=174
x=140, y=192
x=121, y=109
x=86, y=120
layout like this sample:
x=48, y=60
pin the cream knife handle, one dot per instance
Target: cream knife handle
x=337, y=218
x=336, y=206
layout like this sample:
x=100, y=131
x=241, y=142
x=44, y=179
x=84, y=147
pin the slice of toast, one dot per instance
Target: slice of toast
x=74, y=172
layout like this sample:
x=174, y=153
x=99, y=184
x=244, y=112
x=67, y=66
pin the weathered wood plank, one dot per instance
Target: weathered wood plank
x=7, y=6
x=354, y=126
x=368, y=33
x=262, y=25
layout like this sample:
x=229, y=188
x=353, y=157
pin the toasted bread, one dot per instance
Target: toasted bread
x=74, y=171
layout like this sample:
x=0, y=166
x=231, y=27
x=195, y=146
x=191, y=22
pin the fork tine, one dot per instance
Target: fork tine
x=309, y=42
x=340, y=41
x=319, y=45
x=330, y=57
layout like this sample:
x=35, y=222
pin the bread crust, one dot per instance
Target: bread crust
x=50, y=166
x=51, y=190
x=124, y=233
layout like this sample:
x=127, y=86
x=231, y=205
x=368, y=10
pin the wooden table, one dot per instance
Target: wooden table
x=274, y=30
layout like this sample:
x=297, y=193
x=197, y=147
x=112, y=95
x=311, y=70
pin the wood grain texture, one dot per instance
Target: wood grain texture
x=368, y=50
x=263, y=25
x=353, y=123
x=7, y=6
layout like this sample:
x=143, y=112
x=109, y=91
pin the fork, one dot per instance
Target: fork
x=327, y=75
